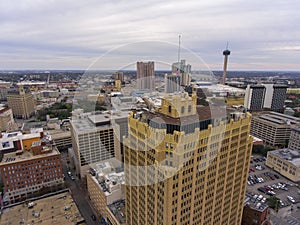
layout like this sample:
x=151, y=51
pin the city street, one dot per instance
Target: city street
x=79, y=194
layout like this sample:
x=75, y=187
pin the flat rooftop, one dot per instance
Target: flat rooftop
x=254, y=203
x=59, y=134
x=56, y=209
x=98, y=118
x=288, y=155
x=13, y=157
x=109, y=175
x=279, y=118
x=217, y=88
x=90, y=122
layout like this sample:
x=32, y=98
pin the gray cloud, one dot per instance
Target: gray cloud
x=72, y=34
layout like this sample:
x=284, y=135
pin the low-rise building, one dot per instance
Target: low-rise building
x=255, y=212
x=62, y=139
x=286, y=162
x=54, y=209
x=13, y=141
x=294, y=143
x=29, y=164
x=105, y=185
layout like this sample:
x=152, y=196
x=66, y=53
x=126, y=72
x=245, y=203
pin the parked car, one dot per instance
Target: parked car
x=276, y=176
x=259, y=167
x=261, y=189
x=291, y=199
x=284, y=188
x=267, y=188
x=271, y=193
x=281, y=203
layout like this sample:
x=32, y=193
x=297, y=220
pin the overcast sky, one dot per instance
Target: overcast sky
x=72, y=34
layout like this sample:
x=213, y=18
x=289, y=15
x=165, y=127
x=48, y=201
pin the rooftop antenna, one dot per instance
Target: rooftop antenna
x=179, y=48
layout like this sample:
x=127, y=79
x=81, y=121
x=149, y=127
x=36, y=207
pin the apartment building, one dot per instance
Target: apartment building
x=254, y=97
x=184, y=167
x=145, y=75
x=265, y=96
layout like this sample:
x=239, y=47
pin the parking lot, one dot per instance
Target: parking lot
x=266, y=182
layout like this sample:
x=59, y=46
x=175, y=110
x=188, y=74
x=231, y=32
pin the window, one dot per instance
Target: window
x=182, y=109
x=170, y=108
x=189, y=108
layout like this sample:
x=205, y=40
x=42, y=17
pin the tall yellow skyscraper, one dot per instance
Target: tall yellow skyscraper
x=182, y=166
x=21, y=102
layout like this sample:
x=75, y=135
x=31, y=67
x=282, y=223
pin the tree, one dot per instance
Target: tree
x=273, y=203
x=258, y=149
x=261, y=149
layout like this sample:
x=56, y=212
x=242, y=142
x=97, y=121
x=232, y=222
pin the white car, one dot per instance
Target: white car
x=258, y=167
x=260, y=197
x=291, y=199
x=281, y=203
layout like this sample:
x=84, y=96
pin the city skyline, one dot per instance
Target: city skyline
x=61, y=35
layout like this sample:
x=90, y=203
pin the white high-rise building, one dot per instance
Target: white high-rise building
x=184, y=70
x=96, y=138
x=172, y=83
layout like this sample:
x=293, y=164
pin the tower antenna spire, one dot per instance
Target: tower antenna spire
x=179, y=48
x=226, y=53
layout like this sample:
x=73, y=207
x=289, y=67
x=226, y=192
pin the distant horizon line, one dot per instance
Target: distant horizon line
x=112, y=70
